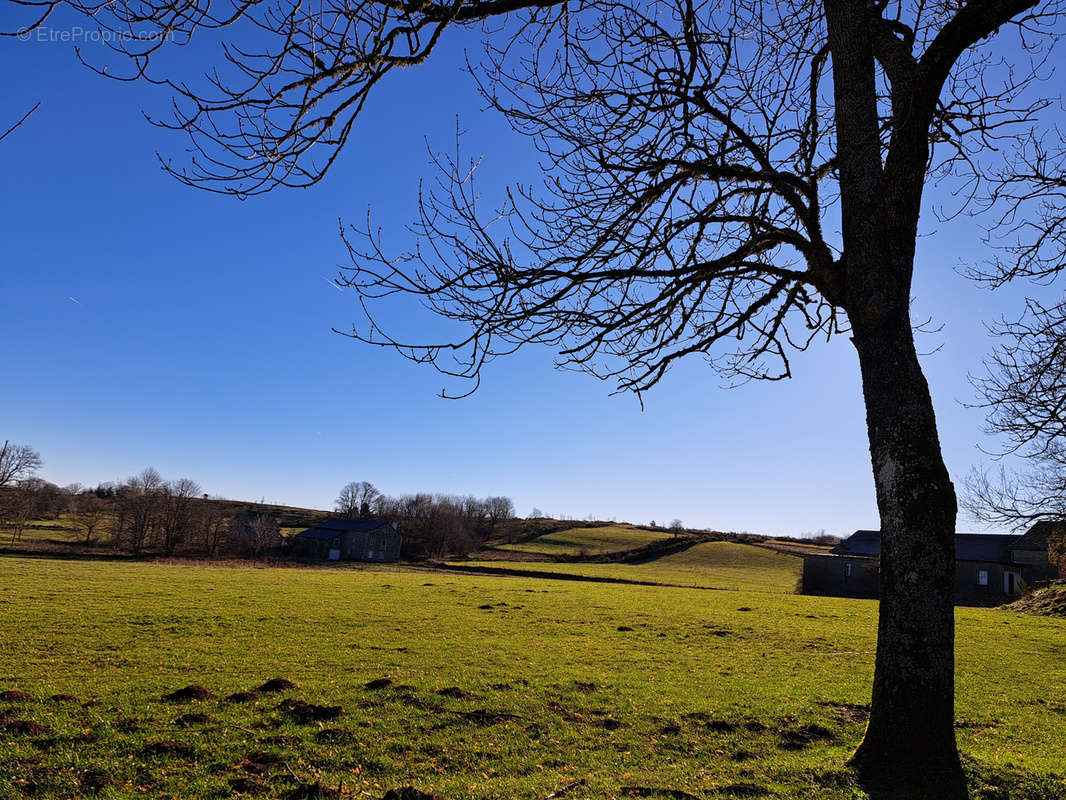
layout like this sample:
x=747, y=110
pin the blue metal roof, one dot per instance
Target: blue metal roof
x=968, y=546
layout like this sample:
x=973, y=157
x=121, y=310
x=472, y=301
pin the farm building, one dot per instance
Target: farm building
x=350, y=540
x=989, y=568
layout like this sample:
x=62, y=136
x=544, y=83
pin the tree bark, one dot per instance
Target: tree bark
x=910, y=740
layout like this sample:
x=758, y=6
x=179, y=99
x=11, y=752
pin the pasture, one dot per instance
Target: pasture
x=593, y=541
x=486, y=687
x=710, y=565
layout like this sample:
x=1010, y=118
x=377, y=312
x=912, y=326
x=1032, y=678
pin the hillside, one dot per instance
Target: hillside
x=717, y=565
x=588, y=540
x=1049, y=602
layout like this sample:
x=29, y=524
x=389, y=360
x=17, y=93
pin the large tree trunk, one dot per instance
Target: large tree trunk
x=910, y=741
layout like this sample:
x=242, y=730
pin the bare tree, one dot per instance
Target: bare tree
x=499, y=509
x=137, y=513
x=255, y=534
x=356, y=499
x=90, y=517
x=677, y=527
x=1024, y=392
x=17, y=462
x=177, y=513
x=214, y=521
x=16, y=509
x=699, y=158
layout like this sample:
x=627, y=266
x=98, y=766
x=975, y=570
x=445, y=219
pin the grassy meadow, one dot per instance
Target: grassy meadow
x=594, y=541
x=709, y=565
x=487, y=687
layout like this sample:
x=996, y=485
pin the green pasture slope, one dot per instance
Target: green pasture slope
x=712, y=565
x=602, y=539
x=501, y=688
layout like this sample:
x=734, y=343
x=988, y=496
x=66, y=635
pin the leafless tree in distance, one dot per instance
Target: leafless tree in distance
x=17, y=462
x=356, y=500
x=731, y=180
x=677, y=527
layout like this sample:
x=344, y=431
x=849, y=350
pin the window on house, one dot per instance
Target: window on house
x=982, y=577
x=847, y=570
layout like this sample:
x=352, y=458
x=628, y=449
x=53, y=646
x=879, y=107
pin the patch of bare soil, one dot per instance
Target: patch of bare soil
x=743, y=755
x=94, y=780
x=378, y=684
x=850, y=712
x=14, y=696
x=484, y=717
x=805, y=736
x=26, y=727
x=455, y=692
x=167, y=747
x=189, y=693
x=314, y=791
x=409, y=793
x=303, y=713
x=259, y=762
x=242, y=697
x=246, y=785
x=277, y=685
x=651, y=791
x=63, y=698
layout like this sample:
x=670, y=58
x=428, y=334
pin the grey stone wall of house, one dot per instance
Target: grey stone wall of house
x=1009, y=564
x=986, y=582
x=350, y=540
x=840, y=576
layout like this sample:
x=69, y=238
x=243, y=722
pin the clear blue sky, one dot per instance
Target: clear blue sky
x=146, y=323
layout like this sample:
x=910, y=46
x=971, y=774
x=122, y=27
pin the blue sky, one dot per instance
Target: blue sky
x=146, y=323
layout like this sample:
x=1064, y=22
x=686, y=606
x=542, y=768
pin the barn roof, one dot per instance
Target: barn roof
x=968, y=546
x=332, y=528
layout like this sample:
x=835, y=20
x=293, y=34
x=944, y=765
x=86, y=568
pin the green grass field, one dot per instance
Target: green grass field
x=715, y=565
x=551, y=684
x=603, y=539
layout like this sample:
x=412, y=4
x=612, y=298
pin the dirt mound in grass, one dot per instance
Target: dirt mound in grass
x=242, y=697
x=167, y=748
x=277, y=685
x=244, y=785
x=303, y=713
x=94, y=780
x=14, y=696
x=456, y=692
x=63, y=698
x=314, y=791
x=26, y=727
x=800, y=738
x=1049, y=602
x=190, y=692
x=409, y=793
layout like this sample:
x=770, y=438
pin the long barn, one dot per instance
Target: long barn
x=989, y=568
x=350, y=540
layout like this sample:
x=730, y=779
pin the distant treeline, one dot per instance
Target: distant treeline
x=433, y=525
x=147, y=514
